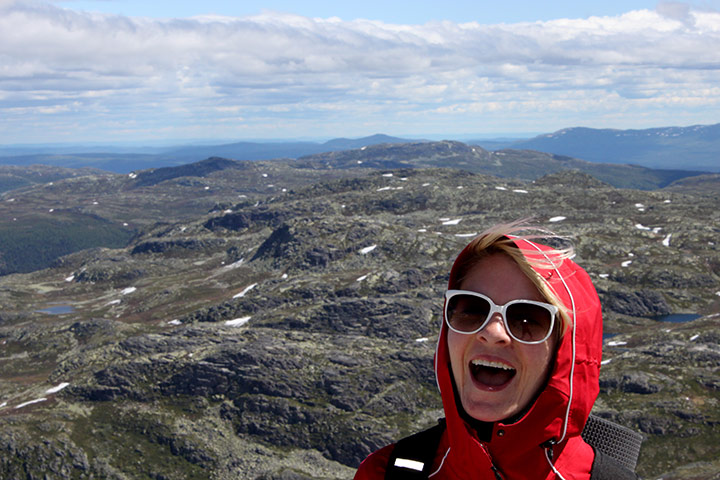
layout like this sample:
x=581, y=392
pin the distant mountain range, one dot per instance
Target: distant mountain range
x=118, y=161
x=688, y=148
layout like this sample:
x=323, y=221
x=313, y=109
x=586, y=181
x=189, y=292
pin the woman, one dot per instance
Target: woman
x=517, y=364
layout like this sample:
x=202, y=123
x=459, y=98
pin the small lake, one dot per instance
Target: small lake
x=57, y=310
x=677, y=317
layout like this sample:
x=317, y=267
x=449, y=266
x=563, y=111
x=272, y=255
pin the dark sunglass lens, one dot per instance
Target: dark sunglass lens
x=528, y=322
x=467, y=312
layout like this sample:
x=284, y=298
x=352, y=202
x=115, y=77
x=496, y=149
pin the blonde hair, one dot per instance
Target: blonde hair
x=501, y=239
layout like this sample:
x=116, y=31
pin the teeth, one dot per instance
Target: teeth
x=486, y=363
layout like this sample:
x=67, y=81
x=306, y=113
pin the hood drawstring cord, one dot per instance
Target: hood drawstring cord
x=548, y=446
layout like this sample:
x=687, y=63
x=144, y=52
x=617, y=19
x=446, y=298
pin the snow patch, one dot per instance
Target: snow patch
x=500, y=188
x=557, y=219
x=237, y=322
x=366, y=250
x=666, y=240
x=70, y=278
x=57, y=388
x=626, y=263
x=604, y=275
x=31, y=402
x=452, y=222
x=174, y=322
x=387, y=174
x=466, y=235
x=520, y=191
x=694, y=337
x=234, y=264
x=245, y=290
x=616, y=343
x=605, y=362
x=639, y=226
x=128, y=290
x=360, y=279
x=422, y=340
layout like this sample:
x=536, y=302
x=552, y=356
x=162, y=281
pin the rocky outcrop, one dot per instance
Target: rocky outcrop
x=643, y=303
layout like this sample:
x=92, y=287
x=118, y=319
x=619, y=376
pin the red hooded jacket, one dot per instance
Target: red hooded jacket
x=558, y=414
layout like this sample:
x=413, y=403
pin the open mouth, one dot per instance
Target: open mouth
x=490, y=374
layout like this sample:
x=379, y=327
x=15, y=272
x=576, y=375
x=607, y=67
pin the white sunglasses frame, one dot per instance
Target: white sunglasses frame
x=495, y=308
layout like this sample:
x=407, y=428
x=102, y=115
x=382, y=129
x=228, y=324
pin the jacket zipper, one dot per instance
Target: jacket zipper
x=495, y=470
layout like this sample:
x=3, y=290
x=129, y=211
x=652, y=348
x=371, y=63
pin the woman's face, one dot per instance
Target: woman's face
x=496, y=376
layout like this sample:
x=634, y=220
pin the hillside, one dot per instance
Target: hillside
x=508, y=163
x=692, y=148
x=277, y=320
x=44, y=220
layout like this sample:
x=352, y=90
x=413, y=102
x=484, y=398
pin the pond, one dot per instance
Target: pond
x=57, y=310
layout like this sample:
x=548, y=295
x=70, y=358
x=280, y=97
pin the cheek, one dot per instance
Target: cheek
x=540, y=363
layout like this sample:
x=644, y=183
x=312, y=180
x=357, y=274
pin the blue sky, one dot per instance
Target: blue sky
x=404, y=12
x=129, y=71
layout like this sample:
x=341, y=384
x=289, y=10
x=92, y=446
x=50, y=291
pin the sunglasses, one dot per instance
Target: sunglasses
x=526, y=321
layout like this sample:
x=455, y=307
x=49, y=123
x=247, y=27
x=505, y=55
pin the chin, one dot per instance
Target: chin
x=488, y=413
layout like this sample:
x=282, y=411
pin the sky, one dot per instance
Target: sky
x=114, y=71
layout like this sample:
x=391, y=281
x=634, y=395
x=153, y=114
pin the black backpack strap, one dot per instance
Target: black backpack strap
x=412, y=457
x=613, y=440
x=605, y=467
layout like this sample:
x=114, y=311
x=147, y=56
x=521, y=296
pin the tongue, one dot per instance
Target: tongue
x=493, y=377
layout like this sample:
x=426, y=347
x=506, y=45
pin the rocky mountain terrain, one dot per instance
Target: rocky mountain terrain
x=42, y=221
x=277, y=320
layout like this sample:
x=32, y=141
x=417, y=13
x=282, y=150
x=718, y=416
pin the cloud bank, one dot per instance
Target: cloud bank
x=69, y=75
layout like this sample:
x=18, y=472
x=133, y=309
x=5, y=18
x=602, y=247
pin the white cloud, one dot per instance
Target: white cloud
x=128, y=73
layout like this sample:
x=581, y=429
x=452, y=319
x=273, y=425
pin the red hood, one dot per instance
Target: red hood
x=562, y=408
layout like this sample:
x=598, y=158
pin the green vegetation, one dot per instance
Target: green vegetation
x=31, y=243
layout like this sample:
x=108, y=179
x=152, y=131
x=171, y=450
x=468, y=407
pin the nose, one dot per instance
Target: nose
x=494, y=331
